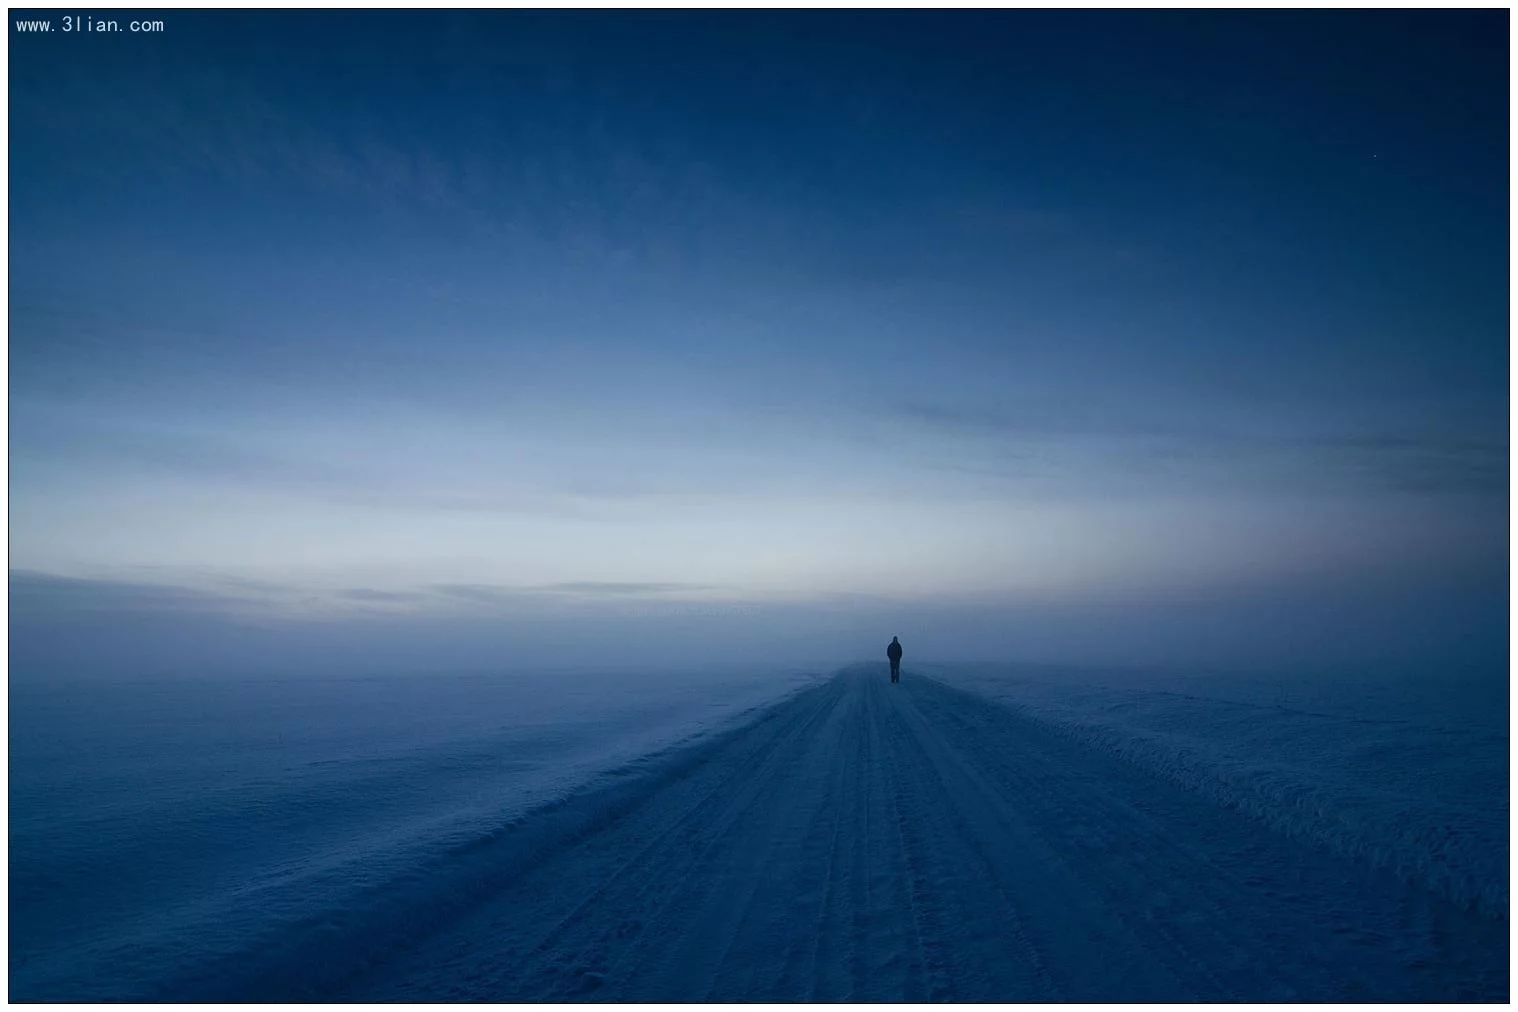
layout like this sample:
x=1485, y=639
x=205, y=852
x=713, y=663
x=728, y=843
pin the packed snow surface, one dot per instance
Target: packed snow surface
x=968, y=834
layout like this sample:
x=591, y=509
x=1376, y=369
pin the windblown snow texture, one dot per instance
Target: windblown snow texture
x=1407, y=773
x=858, y=840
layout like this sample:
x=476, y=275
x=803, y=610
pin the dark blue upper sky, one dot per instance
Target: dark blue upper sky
x=1022, y=306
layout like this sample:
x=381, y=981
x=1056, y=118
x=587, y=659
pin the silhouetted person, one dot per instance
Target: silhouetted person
x=894, y=653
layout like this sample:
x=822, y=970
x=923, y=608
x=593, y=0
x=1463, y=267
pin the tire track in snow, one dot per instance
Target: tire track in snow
x=869, y=841
x=827, y=929
x=927, y=929
x=1027, y=973
x=732, y=799
x=523, y=959
x=1096, y=808
x=1237, y=901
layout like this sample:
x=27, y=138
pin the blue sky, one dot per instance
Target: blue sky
x=432, y=320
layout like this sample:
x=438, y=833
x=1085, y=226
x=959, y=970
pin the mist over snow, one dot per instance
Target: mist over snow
x=111, y=628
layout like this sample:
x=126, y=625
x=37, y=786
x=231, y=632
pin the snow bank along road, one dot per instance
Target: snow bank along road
x=870, y=841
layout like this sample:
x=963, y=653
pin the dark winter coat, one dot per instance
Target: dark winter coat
x=894, y=651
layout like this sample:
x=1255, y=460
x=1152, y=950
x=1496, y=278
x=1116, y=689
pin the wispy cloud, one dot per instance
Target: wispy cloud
x=380, y=596
x=1416, y=465
x=35, y=594
x=1024, y=441
x=276, y=463
x=1026, y=417
x=228, y=596
x=479, y=593
x=502, y=594
x=623, y=589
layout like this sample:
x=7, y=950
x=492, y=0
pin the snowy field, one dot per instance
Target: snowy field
x=1405, y=771
x=975, y=833
x=160, y=828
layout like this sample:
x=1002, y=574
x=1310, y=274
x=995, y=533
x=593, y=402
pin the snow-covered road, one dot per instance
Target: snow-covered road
x=881, y=842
